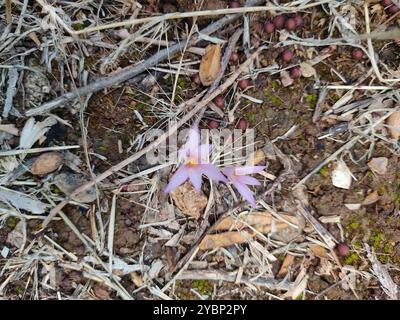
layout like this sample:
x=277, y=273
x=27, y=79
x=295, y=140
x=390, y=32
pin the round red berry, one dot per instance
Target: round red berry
x=269, y=27
x=242, y=124
x=295, y=73
x=358, y=54
x=213, y=124
x=244, y=83
x=290, y=24
x=279, y=21
x=299, y=21
x=393, y=9
x=287, y=55
x=386, y=3
x=234, y=57
x=342, y=249
x=234, y=4
x=219, y=101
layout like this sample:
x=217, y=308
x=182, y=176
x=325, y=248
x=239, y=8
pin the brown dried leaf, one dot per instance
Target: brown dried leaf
x=286, y=264
x=394, y=125
x=46, y=163
x=286, y=79
x=188, y=200
x=261, y=221
x=371, y=198
x=210, y=64
x=378, y=165
x=319, y=251
x=307, y=70
x=212, y=241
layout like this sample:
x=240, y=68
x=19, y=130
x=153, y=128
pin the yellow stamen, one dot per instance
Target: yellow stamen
x=192, y=163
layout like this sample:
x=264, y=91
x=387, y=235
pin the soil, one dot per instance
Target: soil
x=113, y=125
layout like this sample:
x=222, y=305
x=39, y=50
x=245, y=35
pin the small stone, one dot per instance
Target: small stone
x=343, y=249
x=286, y=79
x=46, y=163
x=68, y=182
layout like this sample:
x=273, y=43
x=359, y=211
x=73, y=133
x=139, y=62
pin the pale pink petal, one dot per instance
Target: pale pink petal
x=212, y=172
x=183, y=154
x=246, y=193
x=177, y=179
x=249, y=170
x=193, y=141
x=229, y=172
x=248, y=180
x=195, y=178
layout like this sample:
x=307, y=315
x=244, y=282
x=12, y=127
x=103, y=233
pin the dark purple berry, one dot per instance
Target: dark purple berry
x=234, y=4
x=393, y=9
x=295, y=73
x=290, y=24
x=213, y=124
x=358, y=54
x=234, y=57
x=219, y=101
x=299, y=21
x=386, y=3
x=343, y=249
x=279, y=21
x=242, y=124
x=269, y=27
x=196, y=79
x=244, y=83
x=287, y=55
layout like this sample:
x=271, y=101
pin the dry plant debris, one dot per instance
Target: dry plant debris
x=90, y=91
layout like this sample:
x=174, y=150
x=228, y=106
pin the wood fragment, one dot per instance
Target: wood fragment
x=215, y=275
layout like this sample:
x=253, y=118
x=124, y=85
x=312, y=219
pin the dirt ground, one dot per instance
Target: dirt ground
x=112, y=125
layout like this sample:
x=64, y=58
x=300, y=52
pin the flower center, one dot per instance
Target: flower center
x=192, y=162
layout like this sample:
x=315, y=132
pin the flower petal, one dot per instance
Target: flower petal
x=248, y=180
x=212, y=172
x=229, y=172
x=246, y=193
x=195, y=178
x=177, y=179
x=193, y=141
x=248, y=170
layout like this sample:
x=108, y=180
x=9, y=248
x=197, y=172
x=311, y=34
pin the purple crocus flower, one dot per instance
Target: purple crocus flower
x=238, y=177
x=195, y=163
